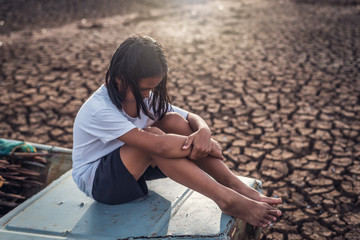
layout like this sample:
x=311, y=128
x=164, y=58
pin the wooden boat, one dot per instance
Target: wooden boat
x=170, y=211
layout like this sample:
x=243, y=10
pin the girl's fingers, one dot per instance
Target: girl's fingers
x=193, y=154
x=188, y=143
x=217, y=154
x=198, y=151
x=202, y=155
x=221, y=156
x=197, y=154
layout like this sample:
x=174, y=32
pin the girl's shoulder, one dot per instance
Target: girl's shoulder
x=99, y=101
x=99, y=97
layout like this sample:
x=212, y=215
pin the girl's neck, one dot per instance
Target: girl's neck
x=130, y=101
x=130, y=109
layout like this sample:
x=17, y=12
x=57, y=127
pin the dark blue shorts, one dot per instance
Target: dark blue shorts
x=113, y=184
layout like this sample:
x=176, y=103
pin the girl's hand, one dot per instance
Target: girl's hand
x=216, y=150
x=201, y=141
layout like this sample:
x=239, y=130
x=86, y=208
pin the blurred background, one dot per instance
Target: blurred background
x=277, y=81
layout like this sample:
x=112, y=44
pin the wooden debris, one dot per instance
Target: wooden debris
x=8, y=204
x=26, y=155
x=21, y=176
x=10, y=195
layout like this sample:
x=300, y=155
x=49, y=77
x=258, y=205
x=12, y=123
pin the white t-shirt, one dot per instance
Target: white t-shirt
x=97, y=126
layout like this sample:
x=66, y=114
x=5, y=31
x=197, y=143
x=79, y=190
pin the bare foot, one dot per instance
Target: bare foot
x=254, y=212
x=255, y=195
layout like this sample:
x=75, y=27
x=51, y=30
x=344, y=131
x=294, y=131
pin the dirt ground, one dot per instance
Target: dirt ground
x=277, y=81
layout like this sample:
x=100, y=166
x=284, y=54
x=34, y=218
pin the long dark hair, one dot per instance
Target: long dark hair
x=136, y=58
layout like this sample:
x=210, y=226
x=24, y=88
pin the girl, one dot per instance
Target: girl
x=127, y=131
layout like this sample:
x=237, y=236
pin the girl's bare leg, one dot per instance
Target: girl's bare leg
x=190, y=175
x=136, y=162
x=174, y=123
x=219, y=171
x=230, y=202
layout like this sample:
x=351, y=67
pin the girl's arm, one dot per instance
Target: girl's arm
x=201, y=139
x=197, y=124
x=164, y=145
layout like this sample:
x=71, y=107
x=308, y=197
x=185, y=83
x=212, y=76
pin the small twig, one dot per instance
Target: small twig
x=8, y=204
x=25, y=154
x=11, y=195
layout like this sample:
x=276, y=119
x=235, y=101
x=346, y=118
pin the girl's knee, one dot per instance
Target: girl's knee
x=173, y=117
x=174, y=123
x=170, y=120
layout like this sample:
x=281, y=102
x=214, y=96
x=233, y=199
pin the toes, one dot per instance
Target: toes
x=271, y=218
x=271, y=200
x=275, y=212
x=275, y=201
x=278, y=213
x=263, y=224
x=266, y=223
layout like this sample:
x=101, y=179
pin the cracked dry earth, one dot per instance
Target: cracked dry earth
x=277, y=81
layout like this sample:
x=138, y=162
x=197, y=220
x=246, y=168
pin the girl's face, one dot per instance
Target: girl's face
x=145, y=85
